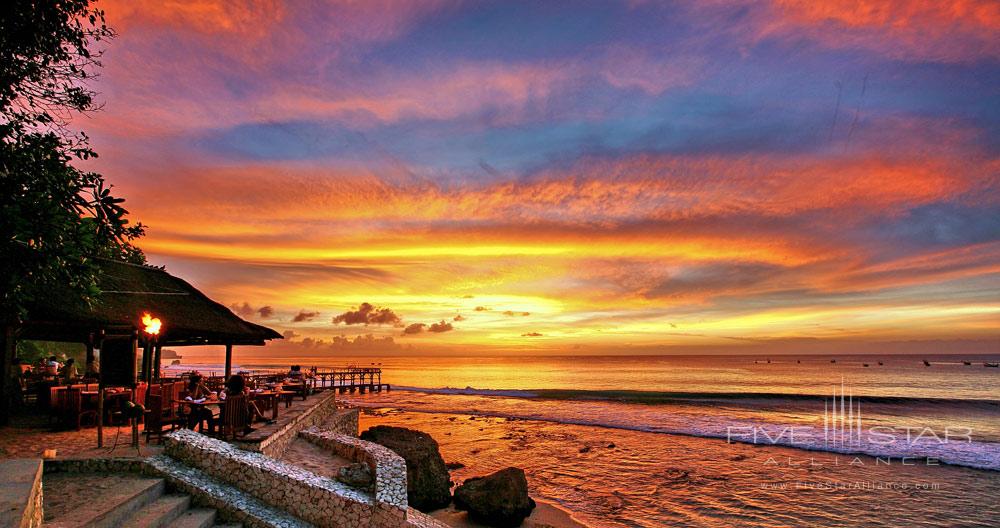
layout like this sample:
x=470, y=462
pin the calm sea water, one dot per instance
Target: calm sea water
x=715, y=441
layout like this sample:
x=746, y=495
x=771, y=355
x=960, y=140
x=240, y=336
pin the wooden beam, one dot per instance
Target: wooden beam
x=229, y=360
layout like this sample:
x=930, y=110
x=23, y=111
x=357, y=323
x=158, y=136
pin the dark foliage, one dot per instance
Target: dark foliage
x=54, y=217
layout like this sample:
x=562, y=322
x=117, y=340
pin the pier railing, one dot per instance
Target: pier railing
x=342, y=379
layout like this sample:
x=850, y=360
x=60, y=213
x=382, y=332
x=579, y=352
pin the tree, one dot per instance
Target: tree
x=54, y=218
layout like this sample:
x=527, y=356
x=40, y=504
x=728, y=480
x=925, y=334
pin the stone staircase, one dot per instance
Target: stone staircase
x=120, y=501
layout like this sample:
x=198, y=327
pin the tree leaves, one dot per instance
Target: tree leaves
x=54, y=218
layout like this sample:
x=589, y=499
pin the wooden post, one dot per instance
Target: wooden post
x=145, y=362
x=157, y=353
x=100, y=413
x=134, y=422
x=7, y=351
x=90, y=355
x=229, y=361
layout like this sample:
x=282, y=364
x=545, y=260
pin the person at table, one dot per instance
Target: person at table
x=69, y=372
x=94, y=369
x=52, y=366
x=196, y=390
x=295, y=373
x=237, y=384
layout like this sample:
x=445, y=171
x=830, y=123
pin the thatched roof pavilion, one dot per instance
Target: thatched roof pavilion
x=127, y=292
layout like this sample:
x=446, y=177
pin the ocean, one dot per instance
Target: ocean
x=714, y=440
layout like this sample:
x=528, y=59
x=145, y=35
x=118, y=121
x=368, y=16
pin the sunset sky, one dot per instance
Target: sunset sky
x=568, y=177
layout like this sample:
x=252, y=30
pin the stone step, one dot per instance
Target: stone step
x=160, y=512
x=75, y=500
x=231, y=503
x=195, y=518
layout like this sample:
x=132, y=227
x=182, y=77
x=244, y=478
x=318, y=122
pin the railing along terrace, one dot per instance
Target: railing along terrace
x=343, y=378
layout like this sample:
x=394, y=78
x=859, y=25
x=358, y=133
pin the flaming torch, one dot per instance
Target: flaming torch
x=151, y=324
x=151, y=327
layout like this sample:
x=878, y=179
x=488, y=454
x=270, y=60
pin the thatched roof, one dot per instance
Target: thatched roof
x=128, y=290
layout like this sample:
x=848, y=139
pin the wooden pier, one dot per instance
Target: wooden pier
x=351, y=379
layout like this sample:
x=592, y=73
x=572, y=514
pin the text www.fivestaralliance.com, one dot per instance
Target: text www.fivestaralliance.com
x=859, y=485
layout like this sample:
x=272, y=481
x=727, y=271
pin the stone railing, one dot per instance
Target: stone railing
x=318, y=500
x=21, y=493
x=388, y=468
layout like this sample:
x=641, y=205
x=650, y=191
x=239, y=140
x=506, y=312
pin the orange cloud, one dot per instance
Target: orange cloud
x=963, y=30
x=245, y=19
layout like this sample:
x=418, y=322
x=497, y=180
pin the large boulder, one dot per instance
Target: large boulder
x=428, y=485
x=500, y=499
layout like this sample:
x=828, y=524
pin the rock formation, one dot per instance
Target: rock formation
x=428, y=485
x=500, y=499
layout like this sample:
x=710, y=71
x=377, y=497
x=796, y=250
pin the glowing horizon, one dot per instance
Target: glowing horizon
x=634, y=176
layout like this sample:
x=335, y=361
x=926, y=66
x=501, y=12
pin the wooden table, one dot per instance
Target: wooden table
x=302, y=389
x=287, y=395
x=202, y=404
x=108, y=396
x=272, y=398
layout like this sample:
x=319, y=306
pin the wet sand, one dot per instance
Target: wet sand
x=545, y=515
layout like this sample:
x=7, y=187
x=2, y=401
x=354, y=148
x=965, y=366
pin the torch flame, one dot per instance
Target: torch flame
x=152, y=324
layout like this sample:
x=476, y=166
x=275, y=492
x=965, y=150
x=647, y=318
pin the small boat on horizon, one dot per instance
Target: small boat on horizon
x=967, y=363
x=864, y=364
x=993, y=365
x=927, y=363
x=833, y=361
x=880, y=363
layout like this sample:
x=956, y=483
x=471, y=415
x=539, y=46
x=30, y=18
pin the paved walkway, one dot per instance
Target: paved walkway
x=28, y=436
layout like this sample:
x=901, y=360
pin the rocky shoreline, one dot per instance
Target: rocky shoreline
x=499, y=499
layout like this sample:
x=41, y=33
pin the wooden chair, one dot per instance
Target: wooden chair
x=73, y=411
x=156, y=418
x=140, y=393
x=264, y=403
x=172, y=392
x=234, y=417
x=57, y=403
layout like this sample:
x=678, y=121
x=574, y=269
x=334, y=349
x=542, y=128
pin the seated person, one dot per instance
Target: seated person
x=196, y=391
x=94, y=369
x=69, y=372
x=237, y=385
x=295, y=373
x=52, y=366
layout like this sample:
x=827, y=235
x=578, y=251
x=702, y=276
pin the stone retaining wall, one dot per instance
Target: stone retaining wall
x=324, y=411
x=21, y=493
x=321, y=501
x=344, y=421
x=388, y=468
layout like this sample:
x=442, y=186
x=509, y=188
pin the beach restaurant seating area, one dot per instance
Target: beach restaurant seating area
x=140, y=310
x=167, y=404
